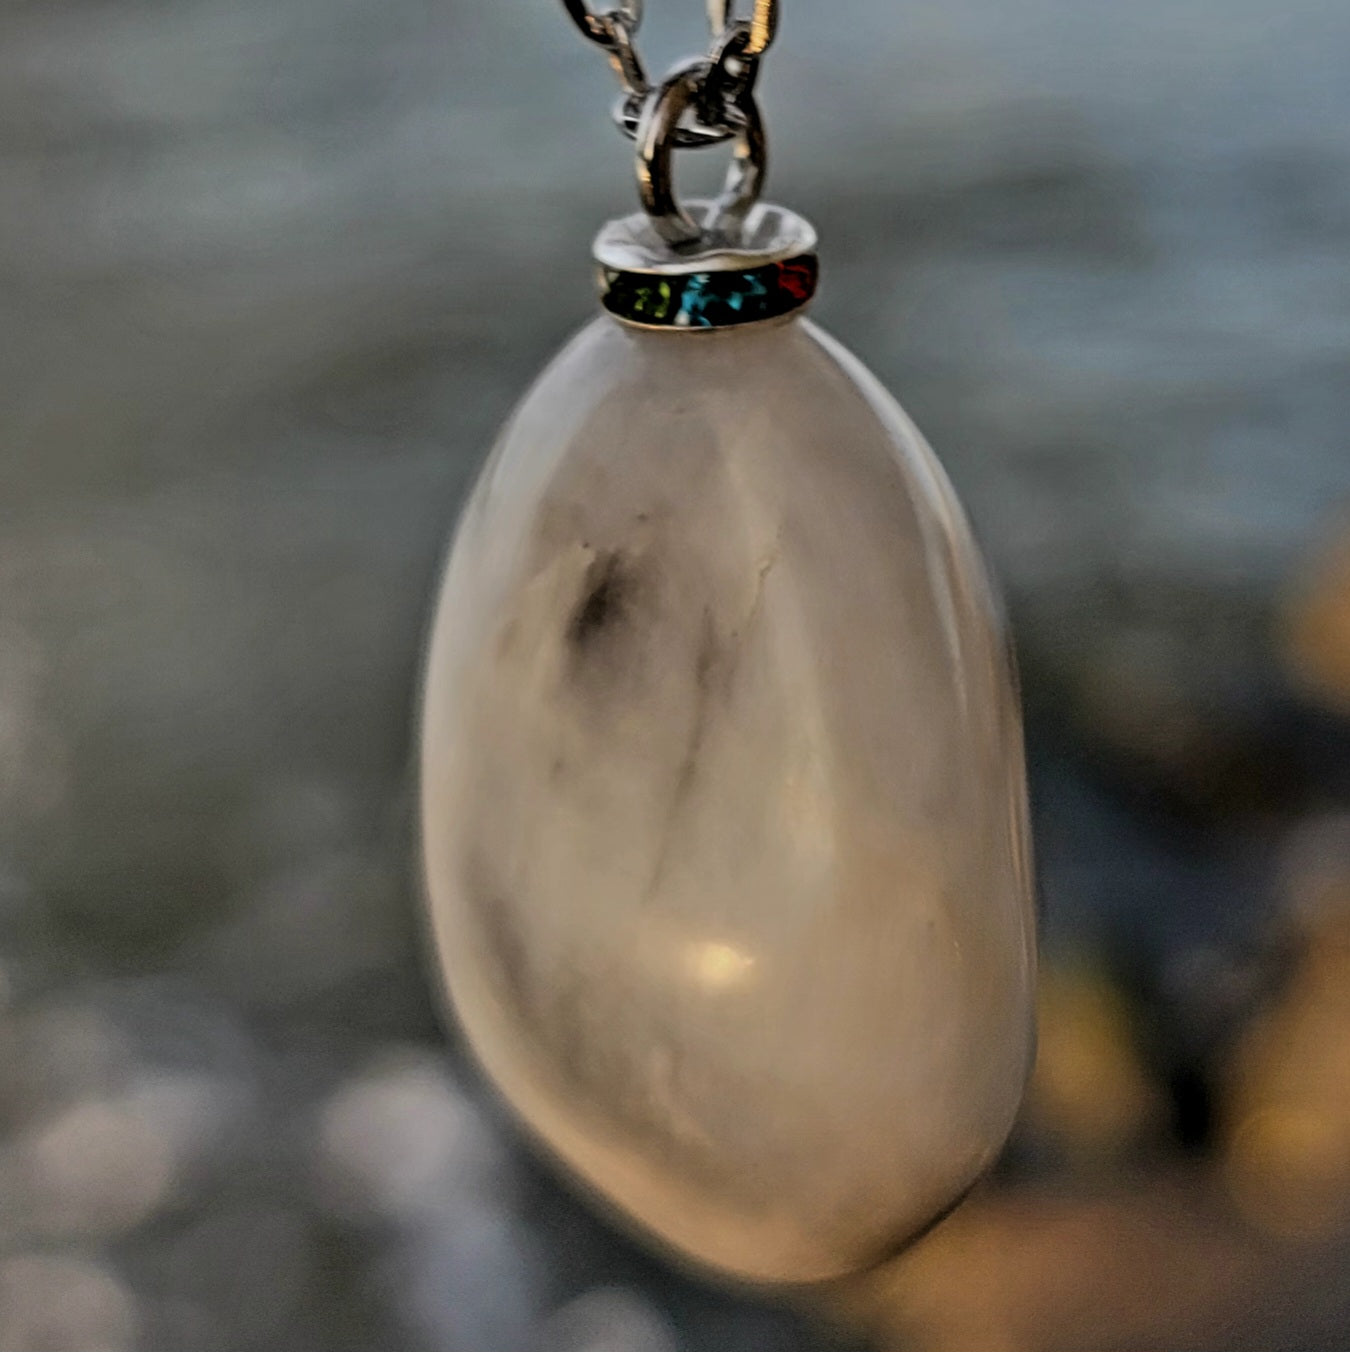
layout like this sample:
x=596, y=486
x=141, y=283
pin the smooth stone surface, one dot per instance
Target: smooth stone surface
x=723, y=799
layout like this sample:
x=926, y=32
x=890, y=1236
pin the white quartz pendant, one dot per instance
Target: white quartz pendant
x=723, y=799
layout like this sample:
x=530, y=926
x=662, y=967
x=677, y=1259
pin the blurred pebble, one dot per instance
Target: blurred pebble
x=69, y=1050
x=91, y=1040
x=178, y=1325
x=401, y=1143
x=1133, y=695
x=1317, y=626
x=34, y=758
x=292, y=817
x=308, y=929
x=16, y=896
x=174, y=1025
x=1090, y=1094
x=51, y=1303
x=1211, y=987
x=27, y=958
x=104, y=1165
x=471, y=1283
x=236, y=1277
x=1287, y=1153
x=1141, y=1267
x=608, y=1319
x=1315, y=873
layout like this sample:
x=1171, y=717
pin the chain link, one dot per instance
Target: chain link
x=732, y=72
x=600, y=27
x=763, y=23
x=623, y=56
x=725, y=79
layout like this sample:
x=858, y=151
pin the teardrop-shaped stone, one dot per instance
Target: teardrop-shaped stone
x=723, y=799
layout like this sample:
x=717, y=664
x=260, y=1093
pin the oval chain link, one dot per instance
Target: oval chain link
x=763, y=24
x=600, y=27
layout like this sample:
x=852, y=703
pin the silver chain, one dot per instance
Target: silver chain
x=725, y=77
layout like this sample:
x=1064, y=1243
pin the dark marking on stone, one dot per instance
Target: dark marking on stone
x=705, y=667
x=607, y=634
x=707, y=654
x=604, y=597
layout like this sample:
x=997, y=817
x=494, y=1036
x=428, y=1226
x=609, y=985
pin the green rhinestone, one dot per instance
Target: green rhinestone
x=652, y=302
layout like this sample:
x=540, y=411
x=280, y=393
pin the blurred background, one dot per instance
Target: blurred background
x=274, y=272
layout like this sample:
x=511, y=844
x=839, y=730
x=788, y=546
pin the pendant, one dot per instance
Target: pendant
x=723, y=799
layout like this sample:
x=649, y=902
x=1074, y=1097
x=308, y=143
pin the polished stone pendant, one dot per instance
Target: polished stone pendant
x=722, y=785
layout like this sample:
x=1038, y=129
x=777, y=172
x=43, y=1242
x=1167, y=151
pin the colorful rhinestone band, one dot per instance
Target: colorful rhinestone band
x=710, y=300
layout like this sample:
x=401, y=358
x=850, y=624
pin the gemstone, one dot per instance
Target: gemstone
x=723, y=800
x=718, y=298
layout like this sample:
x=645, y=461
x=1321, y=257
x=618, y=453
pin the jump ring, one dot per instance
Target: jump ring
x=691, y=134
x=656, y=136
